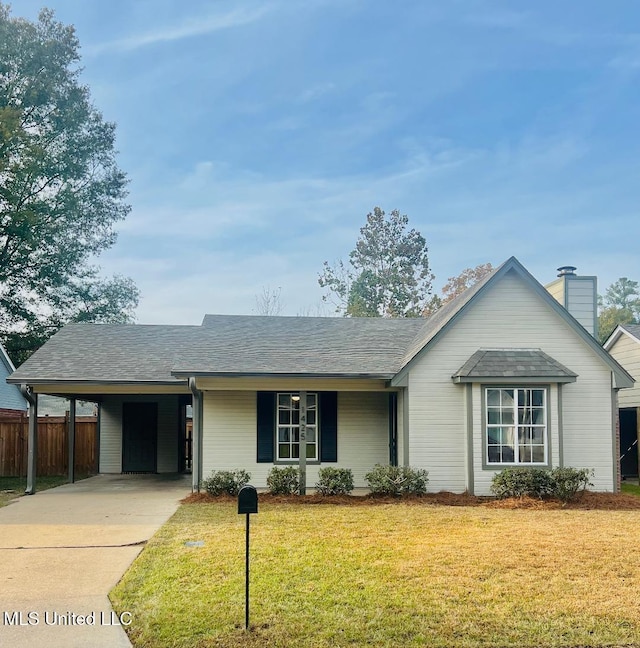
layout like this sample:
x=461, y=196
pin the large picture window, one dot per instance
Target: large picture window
x=516, y=425
x=288, y=426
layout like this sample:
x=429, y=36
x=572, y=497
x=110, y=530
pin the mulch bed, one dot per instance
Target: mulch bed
x=585, y=501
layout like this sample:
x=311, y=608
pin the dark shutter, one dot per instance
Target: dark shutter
x=266, y=406
x=328, y=426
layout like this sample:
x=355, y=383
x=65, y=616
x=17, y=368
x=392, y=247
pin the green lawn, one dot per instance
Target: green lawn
x=631, y=489
x=12, y=487
x=388, y=575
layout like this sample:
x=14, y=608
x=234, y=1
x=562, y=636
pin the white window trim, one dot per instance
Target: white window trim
x=292, y=427
x=486, y=426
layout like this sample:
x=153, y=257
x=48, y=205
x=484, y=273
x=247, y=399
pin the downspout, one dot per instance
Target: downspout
x=196, y=445
x=32, y=439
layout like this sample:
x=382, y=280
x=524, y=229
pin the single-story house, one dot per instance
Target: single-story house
x=624, y=345
x=12, y=402
x=501, y=376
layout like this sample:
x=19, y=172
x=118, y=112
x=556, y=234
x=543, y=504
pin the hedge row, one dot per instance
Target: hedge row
x=382, y=480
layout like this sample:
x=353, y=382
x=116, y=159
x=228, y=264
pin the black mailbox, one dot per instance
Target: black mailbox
x=248, y=499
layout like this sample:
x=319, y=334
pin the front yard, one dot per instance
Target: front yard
x=388, y=575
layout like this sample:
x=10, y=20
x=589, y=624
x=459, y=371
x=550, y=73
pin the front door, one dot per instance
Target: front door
x=139, y=437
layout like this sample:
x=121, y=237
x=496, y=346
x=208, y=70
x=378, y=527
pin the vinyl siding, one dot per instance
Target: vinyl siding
x=229, y=434
x=556, y=290
x=289, y=384
x=581, y=300
x=627, y=352
x=111, y=432
x=507, y=315
x=10, y=395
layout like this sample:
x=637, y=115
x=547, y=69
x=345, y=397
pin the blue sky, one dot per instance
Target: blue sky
x=257, y=135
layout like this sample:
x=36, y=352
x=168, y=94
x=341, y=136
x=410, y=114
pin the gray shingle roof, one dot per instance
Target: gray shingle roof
x=512, y=363
x=634, y=329
x=108, y=353
x=299, y=345
x=223, y=344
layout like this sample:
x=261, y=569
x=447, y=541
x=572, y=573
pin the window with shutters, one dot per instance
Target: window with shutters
x=288, y=426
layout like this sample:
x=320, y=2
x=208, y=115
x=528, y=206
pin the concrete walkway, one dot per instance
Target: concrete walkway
x=63, y=550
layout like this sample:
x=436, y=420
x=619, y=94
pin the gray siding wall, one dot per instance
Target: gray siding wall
x=10, y=395
x=507, y=315
x=581, y=301
x=627, y=352
x=229, y=434
x=111, y=431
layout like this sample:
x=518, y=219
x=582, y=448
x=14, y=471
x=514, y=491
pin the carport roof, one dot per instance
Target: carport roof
x=223, y=345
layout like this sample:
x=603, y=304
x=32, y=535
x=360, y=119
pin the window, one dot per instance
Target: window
x=288, y=426
x=516, y=425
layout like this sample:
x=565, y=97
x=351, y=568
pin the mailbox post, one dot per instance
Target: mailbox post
x=247, y=504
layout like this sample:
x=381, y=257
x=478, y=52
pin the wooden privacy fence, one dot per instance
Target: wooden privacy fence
x=53, y=445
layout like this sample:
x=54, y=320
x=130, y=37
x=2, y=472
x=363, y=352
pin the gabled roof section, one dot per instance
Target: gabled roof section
x=495, y=365
x=630, y=330
x=446, y=316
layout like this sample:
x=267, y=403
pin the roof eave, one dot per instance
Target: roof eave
x=618, y=332
x=79, y=381
x=271, y=374
x=498, y=380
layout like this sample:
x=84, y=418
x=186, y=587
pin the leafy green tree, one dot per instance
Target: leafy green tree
x=620, y=305
x=388, y=272
x=61, y=191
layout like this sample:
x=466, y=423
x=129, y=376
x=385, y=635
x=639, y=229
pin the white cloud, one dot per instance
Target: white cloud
x=193, y=27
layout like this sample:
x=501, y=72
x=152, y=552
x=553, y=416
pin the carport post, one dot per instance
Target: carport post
x=72, y=440
x=32, y=439
x=196, y=442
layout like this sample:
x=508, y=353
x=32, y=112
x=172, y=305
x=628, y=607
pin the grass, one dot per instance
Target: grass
x=387, y=575
x=631, y=489
x=12, y=487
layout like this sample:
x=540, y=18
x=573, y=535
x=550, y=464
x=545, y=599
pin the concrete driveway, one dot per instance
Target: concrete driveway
x=63, y=550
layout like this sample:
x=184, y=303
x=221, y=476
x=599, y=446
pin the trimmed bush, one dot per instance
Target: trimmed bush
x=397, y=480
x=562, y=483
x=568, y=482
x=334, y=481
x=283, y=481
x=226, y=481
x=521, y=482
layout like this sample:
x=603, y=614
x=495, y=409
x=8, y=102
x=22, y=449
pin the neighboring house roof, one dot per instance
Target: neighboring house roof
x=11, y=397
x=262, y=345
x=630, y=330
x=498, y=364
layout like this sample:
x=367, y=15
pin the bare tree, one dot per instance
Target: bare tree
x=269, y=301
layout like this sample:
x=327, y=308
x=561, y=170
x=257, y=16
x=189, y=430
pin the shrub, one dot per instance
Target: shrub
x=283, y=481
x=521, y=482
x=397, y=480
x=226, y=481
x=334, y=481
x=567, y=482
x=563, y=483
